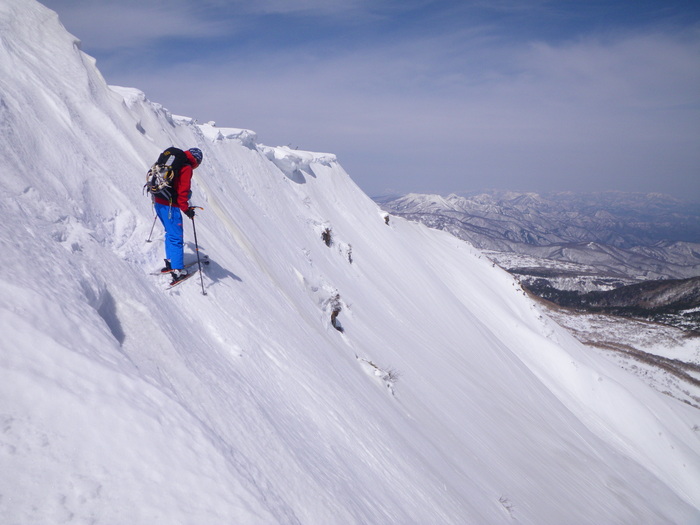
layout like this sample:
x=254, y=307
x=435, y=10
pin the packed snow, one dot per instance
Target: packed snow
x=448, y=396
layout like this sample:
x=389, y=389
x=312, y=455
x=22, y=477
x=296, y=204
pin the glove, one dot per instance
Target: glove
x=190, y=212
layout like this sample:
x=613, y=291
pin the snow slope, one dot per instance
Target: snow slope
x=447, y=398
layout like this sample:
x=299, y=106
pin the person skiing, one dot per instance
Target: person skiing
x=171, y=204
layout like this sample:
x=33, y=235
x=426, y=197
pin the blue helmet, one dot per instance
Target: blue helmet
x=197, y=154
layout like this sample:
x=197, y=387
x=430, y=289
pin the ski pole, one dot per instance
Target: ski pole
x=199, y=264
x=153, y=226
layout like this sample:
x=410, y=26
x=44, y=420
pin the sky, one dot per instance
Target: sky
x=428, y=96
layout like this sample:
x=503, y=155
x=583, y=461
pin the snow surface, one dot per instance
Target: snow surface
x=448, y=398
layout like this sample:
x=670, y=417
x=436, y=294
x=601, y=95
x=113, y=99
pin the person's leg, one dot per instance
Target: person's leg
x=159, y=209
x=171, y=217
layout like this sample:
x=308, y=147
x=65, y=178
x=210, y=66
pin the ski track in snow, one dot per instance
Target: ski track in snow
x=449, y=397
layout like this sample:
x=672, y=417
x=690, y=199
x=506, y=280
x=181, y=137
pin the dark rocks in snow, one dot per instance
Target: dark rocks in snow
x=673, y=301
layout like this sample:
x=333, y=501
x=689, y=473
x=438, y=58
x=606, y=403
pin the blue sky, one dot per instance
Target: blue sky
x=428, y=96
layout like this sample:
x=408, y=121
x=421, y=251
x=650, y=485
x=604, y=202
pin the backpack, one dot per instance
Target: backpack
x=160, y=179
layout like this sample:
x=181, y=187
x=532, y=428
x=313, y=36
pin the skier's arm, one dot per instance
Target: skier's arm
x=183, y=190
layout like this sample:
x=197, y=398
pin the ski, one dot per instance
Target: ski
x=185, y=267
x=190, y=274
x=204, y=260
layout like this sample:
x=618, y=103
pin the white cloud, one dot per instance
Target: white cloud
x=300, y=6
x=110, y=26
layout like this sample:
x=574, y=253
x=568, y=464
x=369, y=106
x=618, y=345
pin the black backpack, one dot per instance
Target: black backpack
x=160, y=179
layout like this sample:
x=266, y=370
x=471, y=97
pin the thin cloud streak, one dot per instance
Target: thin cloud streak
x=134, y=26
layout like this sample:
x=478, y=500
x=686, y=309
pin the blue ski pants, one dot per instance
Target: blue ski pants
x=171, y=217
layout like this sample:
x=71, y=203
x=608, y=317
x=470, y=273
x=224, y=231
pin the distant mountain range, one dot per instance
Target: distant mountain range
x=587, y=251
x=624, y=235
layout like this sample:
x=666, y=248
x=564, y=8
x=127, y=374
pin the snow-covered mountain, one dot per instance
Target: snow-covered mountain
x=449, y=397
x=623, y=235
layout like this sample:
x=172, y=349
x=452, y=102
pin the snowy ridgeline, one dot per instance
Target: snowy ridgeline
x=344, y=366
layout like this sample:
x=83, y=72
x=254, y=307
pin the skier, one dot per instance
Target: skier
x=170, y=211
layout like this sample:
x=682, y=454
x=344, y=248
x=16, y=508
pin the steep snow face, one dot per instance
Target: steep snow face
x=446, y=398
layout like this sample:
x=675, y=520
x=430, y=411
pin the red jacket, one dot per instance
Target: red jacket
x=182, y=185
